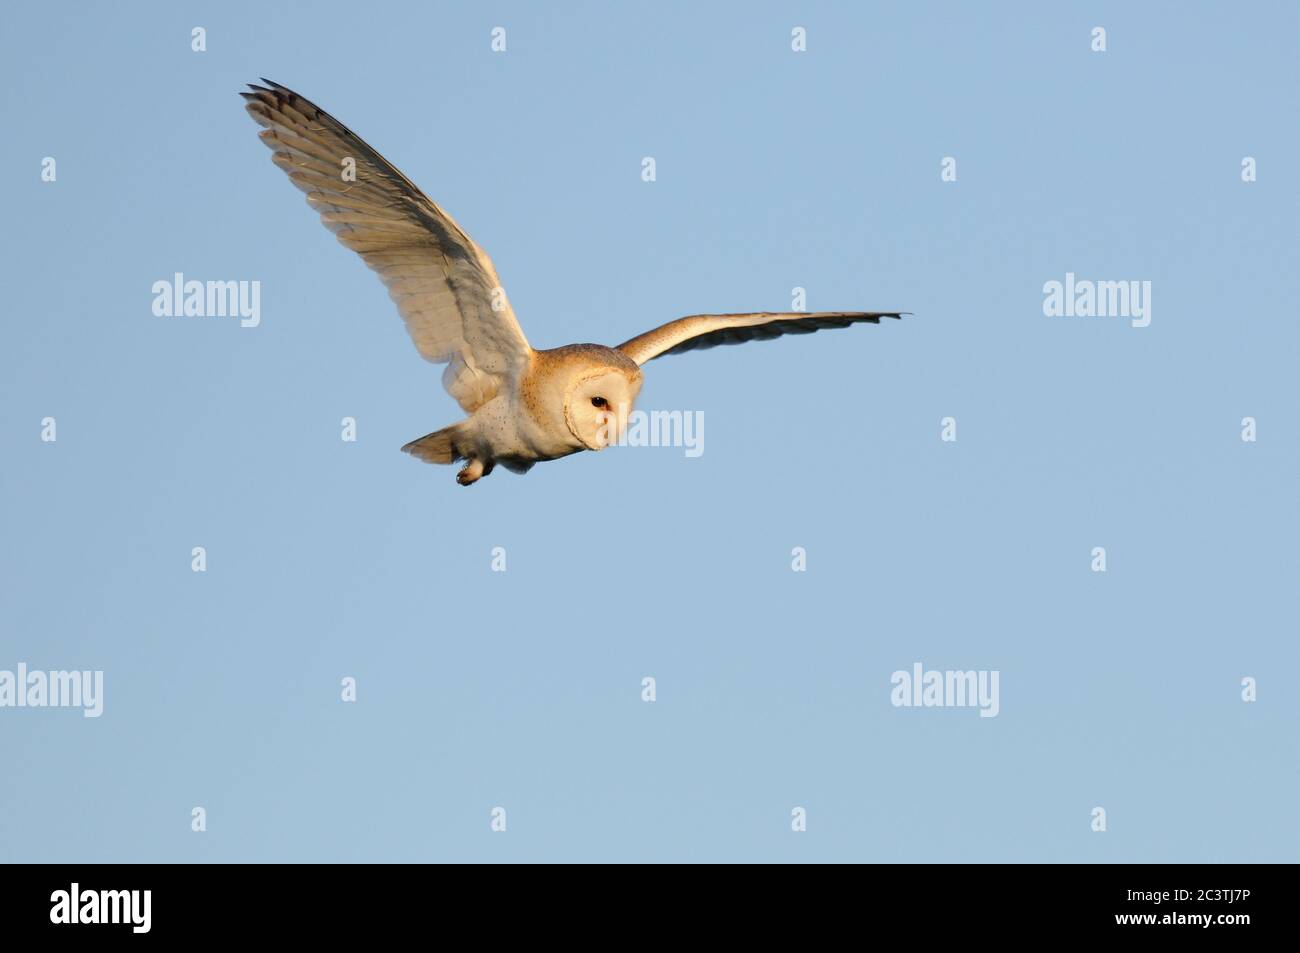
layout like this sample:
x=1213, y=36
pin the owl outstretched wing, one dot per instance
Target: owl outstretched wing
x=709, y=330
x=444, y=285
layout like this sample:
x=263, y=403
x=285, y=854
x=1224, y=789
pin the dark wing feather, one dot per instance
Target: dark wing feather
x=700, y=331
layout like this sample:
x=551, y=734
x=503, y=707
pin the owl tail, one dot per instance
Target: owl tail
x=439, y=446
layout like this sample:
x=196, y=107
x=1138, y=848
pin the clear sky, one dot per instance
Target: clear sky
x=522, y=689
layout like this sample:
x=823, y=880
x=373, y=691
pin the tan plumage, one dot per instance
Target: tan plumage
x=525, y=405
x=442, y=283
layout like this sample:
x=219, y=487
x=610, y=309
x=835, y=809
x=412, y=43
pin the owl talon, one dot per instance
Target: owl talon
x=470, y=472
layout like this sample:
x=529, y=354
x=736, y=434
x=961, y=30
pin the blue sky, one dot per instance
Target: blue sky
x=775, y=170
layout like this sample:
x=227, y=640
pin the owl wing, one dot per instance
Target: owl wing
x=444, y=285
x=710, y=330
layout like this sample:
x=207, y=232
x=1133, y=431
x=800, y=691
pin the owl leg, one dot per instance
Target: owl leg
x=472, y=471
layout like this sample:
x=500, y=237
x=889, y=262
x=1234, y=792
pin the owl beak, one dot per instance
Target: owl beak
x=608, y=428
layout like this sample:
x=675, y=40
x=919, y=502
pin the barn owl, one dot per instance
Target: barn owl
x=524, y=405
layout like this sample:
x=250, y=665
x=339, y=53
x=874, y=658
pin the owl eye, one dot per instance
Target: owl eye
x=599, y=402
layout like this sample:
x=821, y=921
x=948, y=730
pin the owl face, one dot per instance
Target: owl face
x=597, y=404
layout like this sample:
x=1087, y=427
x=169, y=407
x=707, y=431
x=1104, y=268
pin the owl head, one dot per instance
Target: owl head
x=598, y=400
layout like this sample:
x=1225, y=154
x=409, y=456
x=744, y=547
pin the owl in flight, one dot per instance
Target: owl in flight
x=524, y=405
